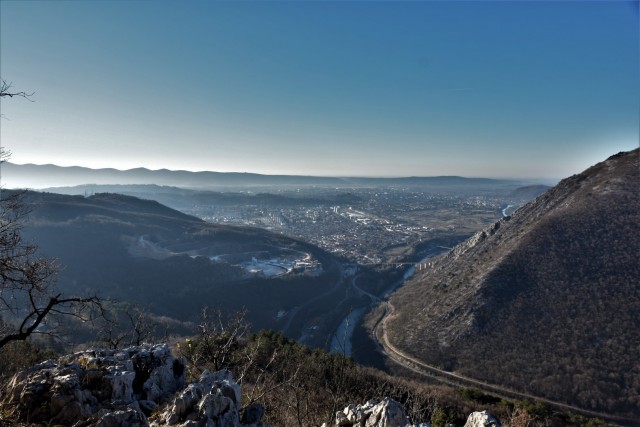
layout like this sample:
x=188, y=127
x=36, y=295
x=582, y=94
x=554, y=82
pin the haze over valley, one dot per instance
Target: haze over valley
x=318, y=261
x=359, y=239
x=335, y=214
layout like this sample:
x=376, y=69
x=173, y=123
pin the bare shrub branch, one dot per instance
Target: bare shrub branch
x=27, y=282
x=5, y=90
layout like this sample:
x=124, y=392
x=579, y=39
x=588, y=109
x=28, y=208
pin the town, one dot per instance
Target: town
x=375, y=225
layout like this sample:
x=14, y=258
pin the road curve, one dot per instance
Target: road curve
x=403, y=359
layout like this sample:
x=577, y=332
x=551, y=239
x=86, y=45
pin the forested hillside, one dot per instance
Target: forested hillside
x=169, y=263
x=545, y=302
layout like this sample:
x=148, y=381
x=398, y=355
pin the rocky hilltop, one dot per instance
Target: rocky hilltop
x=546, y=301
x=110, y=388
x=144, y=386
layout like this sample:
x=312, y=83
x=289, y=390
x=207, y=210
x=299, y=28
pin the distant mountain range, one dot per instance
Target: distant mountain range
x=546, y=302
x=184, y=199
x=44, y=176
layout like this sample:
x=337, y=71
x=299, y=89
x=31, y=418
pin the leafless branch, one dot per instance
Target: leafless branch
x=27, y=293
x=38, y=313
x=5, y=90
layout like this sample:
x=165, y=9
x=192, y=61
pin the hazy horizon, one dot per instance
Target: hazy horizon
x=537, y=179
x=514, y=90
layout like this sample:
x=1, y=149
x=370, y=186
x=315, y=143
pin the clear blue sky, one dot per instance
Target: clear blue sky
x=345, y=88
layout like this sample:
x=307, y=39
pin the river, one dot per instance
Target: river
x=341, y=341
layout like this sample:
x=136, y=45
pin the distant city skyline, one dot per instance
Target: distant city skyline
x=535, y=90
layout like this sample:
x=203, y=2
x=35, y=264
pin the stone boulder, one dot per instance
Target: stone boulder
x=121, y=388
x=482, y=419
x=212, y=401
x=128, y=417
x=387, y=413
x=102, y=387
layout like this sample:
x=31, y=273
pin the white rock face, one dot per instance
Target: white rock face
x=212, y=401
x=120, y=388
x=387, y=413
x=482, y=419
x=122, y=385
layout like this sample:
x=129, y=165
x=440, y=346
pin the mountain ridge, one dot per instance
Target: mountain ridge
x=42, y=176
x=171, y=263
x=545, y=295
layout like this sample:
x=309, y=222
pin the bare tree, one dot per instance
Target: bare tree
x=217, y=341
x=5, y=90
x=27, y=290
x=138, y=327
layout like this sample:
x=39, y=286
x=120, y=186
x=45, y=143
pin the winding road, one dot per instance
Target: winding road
x=401, y=358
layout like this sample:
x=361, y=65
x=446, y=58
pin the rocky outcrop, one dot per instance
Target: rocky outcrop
x=212, y=401
x=389, y=413
x=118, y=388
x=386, y=413
x=476, y=239
x=103, y=386
x=482, y=419
x=144, y=386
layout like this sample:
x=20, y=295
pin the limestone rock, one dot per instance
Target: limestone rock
x=482, y=419
x=100, y=385
x=387, y=413
x=213, y=400
x=120, y=388
x=129, y=418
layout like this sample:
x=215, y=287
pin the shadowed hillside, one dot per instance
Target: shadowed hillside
x=173, y=264
x=546, y=302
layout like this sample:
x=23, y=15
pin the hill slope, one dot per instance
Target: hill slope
x=546, y=302
x=173, y=264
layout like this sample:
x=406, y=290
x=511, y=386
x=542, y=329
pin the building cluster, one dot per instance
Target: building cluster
x=364, y=230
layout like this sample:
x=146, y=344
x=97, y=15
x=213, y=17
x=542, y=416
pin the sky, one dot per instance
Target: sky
x=517, y=89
